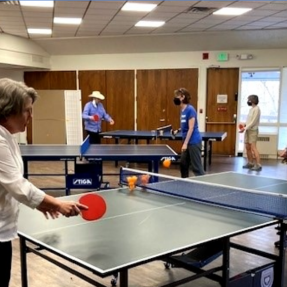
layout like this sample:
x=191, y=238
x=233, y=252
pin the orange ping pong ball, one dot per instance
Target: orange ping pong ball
x=166, y=163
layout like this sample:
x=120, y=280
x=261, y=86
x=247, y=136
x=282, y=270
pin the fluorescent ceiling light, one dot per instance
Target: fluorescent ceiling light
x=37, y=3
x=231, y=11
x=139, y=7
x=40, y=31
x=149, y=23
x=59, y=20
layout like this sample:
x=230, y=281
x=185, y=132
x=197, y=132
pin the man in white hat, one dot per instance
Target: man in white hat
x=93, y=114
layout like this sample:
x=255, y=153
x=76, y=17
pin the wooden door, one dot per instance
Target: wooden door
x=151, y=99
x=221, y=107
x=118, y=88
x=179, y=78
x=155, y=93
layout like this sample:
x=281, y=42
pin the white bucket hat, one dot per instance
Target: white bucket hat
x=97, y=94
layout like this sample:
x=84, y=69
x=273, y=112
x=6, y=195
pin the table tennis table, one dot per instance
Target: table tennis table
x=96, y=154
x=207, y=137
x=151, y=223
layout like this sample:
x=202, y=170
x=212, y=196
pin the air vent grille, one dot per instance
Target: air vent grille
x=15, y=3
x=200, y=10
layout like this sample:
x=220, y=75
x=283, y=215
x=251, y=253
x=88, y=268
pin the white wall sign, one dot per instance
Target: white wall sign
x=222, y=99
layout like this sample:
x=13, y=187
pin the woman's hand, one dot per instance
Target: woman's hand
x=49, y=213
x=57, y=207
x=71, y=208
x=184, y=147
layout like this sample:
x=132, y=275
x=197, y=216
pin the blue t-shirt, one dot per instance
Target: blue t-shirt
x=188, y=113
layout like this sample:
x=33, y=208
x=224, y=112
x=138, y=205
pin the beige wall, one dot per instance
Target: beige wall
x=276, y=58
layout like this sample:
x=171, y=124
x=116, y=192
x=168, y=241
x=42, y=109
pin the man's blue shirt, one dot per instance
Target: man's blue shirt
x=91, y=110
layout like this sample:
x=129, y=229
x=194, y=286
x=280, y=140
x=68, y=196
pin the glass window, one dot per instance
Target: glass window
x=266, y=85
x=283, y=100
x=282, y=140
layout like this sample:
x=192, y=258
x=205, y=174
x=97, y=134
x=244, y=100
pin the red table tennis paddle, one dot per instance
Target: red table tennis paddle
x=97, y=206
x=241, y=126
x=96, y=117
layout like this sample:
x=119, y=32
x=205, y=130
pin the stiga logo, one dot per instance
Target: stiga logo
x=172, y=158
x=82, y=181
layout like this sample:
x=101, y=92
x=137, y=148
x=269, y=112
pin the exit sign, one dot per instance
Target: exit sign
x=222, y=56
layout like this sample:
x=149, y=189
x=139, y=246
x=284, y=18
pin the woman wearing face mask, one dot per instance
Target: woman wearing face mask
x=251, y=134
x=191, y=147
x=93, y=114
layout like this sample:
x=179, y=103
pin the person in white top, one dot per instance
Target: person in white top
x=251, y=134
x=16, y=101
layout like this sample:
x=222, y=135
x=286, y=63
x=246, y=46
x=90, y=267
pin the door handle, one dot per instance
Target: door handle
x=224, y=123
x=221, y=123
x=162, y=120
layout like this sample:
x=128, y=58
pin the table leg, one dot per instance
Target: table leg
x=25, y=164
x=124, y=278
x=67, y=189
x=209, y=152
x=205, y=150
x=226, y=262
x=280, y=264
x=23, y=260
x=117, y=142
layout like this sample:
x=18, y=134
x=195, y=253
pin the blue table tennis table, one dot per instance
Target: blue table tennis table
x=95, y=155
x=160, y=220
x=207, y=137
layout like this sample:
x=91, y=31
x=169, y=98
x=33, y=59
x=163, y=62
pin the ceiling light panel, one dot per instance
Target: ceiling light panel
x=138, y=7
x=71, y=21
x=46, y=4
x=149, y=24
x=232, y=11
x=39, y=31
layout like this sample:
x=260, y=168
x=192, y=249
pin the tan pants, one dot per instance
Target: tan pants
x=250, y=136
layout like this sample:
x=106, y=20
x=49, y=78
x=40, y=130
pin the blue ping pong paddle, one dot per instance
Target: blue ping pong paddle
x=97, y=206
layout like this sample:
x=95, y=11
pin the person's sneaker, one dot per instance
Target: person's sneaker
x=248, y=165
x=256, y=168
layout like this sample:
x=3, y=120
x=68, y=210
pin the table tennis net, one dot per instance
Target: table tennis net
x=260, y=202
x=164, y=129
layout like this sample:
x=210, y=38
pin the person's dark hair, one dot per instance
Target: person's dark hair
x=183, y=92
x=13, y=96
x=253, y=99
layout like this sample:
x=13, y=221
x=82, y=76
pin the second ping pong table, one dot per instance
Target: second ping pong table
x=207, y=137
x=161, y=220
x=95, y=154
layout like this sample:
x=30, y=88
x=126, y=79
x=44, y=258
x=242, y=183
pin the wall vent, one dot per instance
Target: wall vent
x=267, y=146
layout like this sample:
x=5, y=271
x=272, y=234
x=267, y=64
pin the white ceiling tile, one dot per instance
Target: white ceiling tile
x=115, y=5
x=107, y=16
x=275, y=7
x=179, y=3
